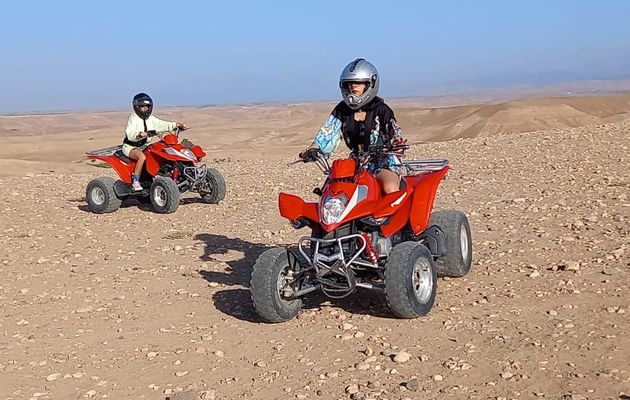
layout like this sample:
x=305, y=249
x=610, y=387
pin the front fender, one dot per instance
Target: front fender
x=293, y=207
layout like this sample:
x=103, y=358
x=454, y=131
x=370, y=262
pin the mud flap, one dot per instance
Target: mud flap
x=434, y=238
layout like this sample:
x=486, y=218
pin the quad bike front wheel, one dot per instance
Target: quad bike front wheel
x=410, y=280
x=458, y=258
x=164, y=195
x=101, y=197
x=272, y=277
x=214, y=187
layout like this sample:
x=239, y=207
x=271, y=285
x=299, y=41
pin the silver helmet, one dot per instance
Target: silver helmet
x=359, y=70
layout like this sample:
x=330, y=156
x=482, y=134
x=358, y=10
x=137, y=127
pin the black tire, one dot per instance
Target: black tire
x=410, y=280
x=216, y=184
x=458, y=259
x=101, y=197
x=164, y=195
x=265, y=287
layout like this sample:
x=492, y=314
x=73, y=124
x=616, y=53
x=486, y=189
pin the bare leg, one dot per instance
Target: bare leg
x=389, y=181
x=137, y=154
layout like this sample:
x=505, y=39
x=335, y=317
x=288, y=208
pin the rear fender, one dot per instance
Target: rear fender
x=198, y=152
x=123, y=169
x=423, y=197
x=293, y=207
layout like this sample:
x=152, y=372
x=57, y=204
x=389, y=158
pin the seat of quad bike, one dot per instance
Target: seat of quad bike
x=403, y=183
x=123, y=157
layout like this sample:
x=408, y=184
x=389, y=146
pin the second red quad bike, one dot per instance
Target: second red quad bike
x=171, y=168
x=361, y=238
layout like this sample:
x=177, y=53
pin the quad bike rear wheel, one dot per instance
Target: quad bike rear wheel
x=272, y=276
x=101, y=197
x=410, y=280
x=458, y=258
x=164, y=195
x=215, y=184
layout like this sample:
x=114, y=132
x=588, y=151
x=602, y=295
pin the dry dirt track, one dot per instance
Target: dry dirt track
x=136, y=305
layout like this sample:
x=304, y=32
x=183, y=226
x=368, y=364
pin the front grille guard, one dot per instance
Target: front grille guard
x=324, y=263
x=329, y=268
x=195, y=174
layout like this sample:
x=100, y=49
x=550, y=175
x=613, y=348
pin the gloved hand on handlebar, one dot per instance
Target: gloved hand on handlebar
x=181, y=126
x=398, y=140
x=309, y=154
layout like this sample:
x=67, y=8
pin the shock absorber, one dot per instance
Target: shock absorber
x=176, y=174
x=369, y=249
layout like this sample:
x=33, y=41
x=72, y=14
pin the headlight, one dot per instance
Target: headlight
x=332, y=209
x=188, y=154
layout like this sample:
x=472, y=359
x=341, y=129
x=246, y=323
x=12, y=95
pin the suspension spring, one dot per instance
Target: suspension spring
x=369, y=249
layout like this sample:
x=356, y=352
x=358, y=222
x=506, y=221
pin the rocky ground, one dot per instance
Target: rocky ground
x=137, y=305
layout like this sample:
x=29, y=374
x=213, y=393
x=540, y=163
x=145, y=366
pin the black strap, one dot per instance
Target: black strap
x=140, y=142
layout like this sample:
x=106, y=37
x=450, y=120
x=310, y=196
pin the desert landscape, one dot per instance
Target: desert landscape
x=139, y=305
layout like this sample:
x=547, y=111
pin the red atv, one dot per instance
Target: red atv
x=361, y=238
x=171, y=168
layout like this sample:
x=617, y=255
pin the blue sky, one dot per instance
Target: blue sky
x=70, y=55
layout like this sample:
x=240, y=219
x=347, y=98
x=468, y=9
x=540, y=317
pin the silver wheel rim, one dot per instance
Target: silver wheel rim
x=464, y=243
x=159, y=196
x=98, y=196
x=422, y=280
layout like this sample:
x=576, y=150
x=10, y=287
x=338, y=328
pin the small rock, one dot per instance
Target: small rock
x=352, y=389
x=181, y=373
x=187, y=395
x=506, y=375
x=413, y=384
x=573, y=266
x=438, y=378
x=402, y=357
x=362, y=366
x=53, y=377
x=611, y=271
x=84, y=309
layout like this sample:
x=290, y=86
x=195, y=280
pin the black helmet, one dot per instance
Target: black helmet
x=142, y=99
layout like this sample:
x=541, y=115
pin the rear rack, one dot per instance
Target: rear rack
x=419, y=166
x=104, y=152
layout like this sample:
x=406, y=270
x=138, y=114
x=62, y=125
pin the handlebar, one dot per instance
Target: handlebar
x=176, y=131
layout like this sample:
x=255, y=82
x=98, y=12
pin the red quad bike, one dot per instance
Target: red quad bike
x=171, y=168
x=361, y=238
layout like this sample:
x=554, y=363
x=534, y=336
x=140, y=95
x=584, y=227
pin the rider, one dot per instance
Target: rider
x=140, y=123
x=362, y=119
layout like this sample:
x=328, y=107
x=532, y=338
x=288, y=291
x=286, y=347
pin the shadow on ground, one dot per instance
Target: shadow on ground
x=240, y=256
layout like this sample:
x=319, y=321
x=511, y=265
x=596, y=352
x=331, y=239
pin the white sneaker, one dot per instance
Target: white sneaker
x=136, y=186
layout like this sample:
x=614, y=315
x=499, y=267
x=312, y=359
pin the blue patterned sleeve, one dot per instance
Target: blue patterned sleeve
x=329, y=135
x=396, y=131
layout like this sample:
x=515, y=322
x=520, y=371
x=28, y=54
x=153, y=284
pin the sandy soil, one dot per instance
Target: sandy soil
x=138, y=305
